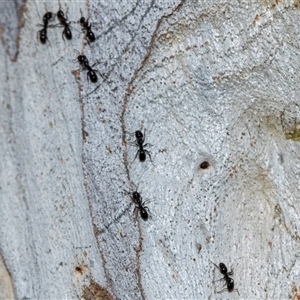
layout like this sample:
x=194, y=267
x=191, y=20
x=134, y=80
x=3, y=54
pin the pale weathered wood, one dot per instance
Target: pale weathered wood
x=213, y=81
x=11, y=19
x=6, y=285
x=47, y=239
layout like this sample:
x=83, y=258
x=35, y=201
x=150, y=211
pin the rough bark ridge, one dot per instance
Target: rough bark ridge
x=215, y=86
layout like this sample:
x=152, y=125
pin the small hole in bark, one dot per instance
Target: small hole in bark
x=79, y=269
x=204, y=165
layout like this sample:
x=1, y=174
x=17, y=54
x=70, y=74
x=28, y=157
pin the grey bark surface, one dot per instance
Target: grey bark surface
x=206, y=81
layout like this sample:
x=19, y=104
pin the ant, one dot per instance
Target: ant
x=63, y=22
x=139, y=204
x=86, y=28
x=229, y=281
x=84, y=62
x=139, y=142
x=43, y=32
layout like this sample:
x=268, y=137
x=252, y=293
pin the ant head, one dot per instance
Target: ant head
x=223, y=268
x=81, y=58
x=138, y=134
x=82, y=20
x=47, y=16
x=136, y=195
x=60, y=15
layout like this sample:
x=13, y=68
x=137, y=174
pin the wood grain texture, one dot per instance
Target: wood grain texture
x=208, y=81
x=11, y=22
x=46, y=229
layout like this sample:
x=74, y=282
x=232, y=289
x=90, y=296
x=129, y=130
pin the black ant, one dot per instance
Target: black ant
x=139, y=142
x=139, y=204
x=64, y=22
x=43, y=32
x=229, y=281
x=86, y=28
x=84, y=62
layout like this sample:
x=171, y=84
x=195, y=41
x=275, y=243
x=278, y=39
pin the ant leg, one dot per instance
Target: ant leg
x=135, y=186
x=222, y=291
x=130, y=133
x=38, y=33
x=147, y=209
x=219, y=280
x=59, y=7
x=145, y=202
x=136, y=155
x=62, y=34
x=88, y=43
x=144, y=136
x=135, y=211
x=148, y=153
x=81, y=13
x=67, y=12
x=214, y=264
x=237, y=291
x=103, y=77
x=133, y=144
x=148, y=144
x=127, y=192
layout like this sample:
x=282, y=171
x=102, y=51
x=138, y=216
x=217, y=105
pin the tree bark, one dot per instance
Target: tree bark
x=213, y=86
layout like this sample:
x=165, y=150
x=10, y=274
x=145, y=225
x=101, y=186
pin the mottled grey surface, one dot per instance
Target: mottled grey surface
x=124, y=40
x=221, y=85
x=46, y=229
x=11, y=21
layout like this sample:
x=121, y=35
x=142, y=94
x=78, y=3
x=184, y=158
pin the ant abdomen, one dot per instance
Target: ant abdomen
x=92, y=75
x=144, y=214
x=142, y=155
x=139, y=204
x=43, y=35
